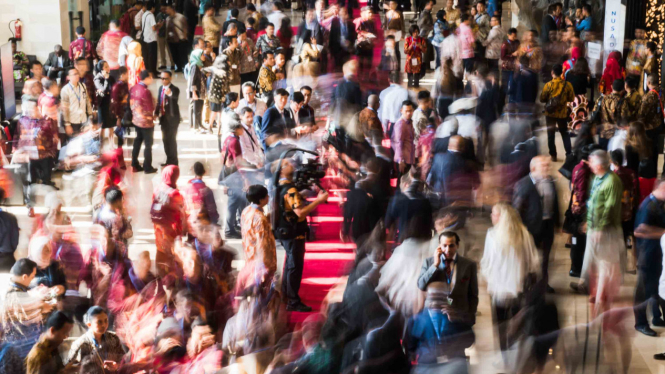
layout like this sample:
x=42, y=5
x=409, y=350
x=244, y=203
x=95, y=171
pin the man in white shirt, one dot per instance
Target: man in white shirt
x=138, y=18
x=149, y=33
x=122, y=50
x=249, y=100
x=249, y=141
x=277, y=16
x=391, y=100
x=75, y=104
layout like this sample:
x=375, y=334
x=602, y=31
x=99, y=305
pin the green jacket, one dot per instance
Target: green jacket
x=604, y=205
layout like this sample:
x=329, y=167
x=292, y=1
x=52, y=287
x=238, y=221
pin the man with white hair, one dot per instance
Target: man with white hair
x=605, y=242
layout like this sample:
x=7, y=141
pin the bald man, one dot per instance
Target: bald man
x=535, y=198
x=369, y=121
x=452, y=176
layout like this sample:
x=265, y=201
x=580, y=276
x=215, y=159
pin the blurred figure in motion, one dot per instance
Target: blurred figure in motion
x=601, y=271
x=198, y=197
x=453, y=177
x=443, y=329
x=408, y=206
x=169, y=217
x=44, y=356
x=23, y=313
x=9, y=232
x=535, y=198
x=510, y=267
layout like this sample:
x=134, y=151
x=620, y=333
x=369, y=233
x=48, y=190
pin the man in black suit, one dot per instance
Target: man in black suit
x=57, y=63
x=535, y=198
x=342, y=38
x=443, y=329
x=169, y=117
x=234, y=19
x=549, y=23
x=346, y=97
x=312, y=24
x=276, y=120
x=452, y=175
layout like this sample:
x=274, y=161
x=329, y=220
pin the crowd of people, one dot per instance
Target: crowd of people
x=275, y=95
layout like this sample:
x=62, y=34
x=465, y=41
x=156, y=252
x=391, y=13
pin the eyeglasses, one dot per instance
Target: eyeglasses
x=164, y=78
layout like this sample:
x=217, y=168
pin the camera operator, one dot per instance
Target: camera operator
x=291, y=230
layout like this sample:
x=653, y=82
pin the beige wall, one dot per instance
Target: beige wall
x=45, y=23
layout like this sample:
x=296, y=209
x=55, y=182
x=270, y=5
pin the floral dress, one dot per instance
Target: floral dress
x=414, y=47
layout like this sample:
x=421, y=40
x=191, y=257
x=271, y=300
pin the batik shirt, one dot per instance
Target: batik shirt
x=258, y=241
x=265, y=43
x=651, y=111
x=108, y=348
x=266, y=79
x=79, y=46
x=143, y=106
x=38, y=137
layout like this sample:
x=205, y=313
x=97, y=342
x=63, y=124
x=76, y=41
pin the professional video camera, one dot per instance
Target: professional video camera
x=308, y=174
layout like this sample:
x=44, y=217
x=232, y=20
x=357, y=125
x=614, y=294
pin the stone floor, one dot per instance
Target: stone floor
x=573, y=309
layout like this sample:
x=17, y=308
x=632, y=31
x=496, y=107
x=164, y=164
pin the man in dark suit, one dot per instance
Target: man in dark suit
x=452, y=175
x=57, y=63
x=523, y=86
x=549, y=23
x=342, y=38
x=276, y=120
x=169, y=117
x=443, y=330
x=346, y=97
x=311, y=23
x=535, y=198
x=234, y=19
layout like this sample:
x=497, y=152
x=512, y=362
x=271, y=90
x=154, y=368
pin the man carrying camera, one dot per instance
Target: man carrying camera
x=291, y=230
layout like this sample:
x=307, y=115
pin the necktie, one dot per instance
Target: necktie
x=448, y=268
x=163, y=94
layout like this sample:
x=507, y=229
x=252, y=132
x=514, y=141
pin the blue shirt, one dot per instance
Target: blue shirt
x=649, y=254
x=585, y=24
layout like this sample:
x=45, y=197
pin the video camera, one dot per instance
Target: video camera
x=308, y=174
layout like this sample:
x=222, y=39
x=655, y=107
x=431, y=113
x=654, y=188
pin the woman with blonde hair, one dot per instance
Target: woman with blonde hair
x=509, y=262
x=134, y=63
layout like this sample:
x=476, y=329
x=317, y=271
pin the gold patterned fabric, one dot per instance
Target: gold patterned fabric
x=258, y=242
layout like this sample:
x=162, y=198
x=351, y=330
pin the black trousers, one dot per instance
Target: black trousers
x=560, y=124
x=413, y=79
x=179, y=52
x=54, y=74
x=236, y=203
x=647, y=289
x=502, y=315
x=6, y=262
x=143, y=135
x=169, y=133
x=545, y=245
x=654, y=135
x=506, y=76
x=40, y=170
x=577, y=253
x=150, y=57
x=468, y=64
x=293, y=267
x=196, y=113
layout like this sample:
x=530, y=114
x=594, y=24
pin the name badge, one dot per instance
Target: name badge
x=414, y=61
x=234, y=66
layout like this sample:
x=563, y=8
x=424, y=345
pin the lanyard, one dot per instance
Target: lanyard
x=78, y=98
x=660, y=104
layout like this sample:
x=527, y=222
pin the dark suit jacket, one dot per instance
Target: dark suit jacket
x=465, y=285
x=275, y=123
x=361, y=213
x=8, y=232
x=335, y=39
x=171, y=108
x=523, y=87
x=527, y=201
x=549, y=24
x=454, y=177
x=240, y=25
x=346, y=99
x=52, y=61
x=317, y=33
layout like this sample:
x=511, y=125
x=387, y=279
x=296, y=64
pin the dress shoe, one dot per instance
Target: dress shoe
x=232, y=235
x=163, y=67
x=646, y=330
x=150, y=170
x=658, y=322
x=137, y=169
x=659, y=356
x=574, y=274
x=300, y=307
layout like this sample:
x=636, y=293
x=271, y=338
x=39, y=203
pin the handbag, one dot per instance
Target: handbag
x=127, y=117
x=159, y=207
x=226, y=170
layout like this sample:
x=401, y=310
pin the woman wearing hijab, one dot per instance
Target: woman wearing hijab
x=49, y=272
x=103, y=84
x=134, y=63
x=169, y=217
x=613, y=70
x=196, y=89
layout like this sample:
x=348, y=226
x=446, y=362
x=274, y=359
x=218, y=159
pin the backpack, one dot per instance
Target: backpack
x=127, y=21
x=555, y=101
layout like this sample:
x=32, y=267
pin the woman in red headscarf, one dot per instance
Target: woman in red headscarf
x=169, y=217
x=575, y=53
x=613, y=70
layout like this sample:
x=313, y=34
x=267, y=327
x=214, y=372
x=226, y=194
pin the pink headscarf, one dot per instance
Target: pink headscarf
x=170, y=175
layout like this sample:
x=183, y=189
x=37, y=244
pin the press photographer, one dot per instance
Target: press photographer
x=291, y=230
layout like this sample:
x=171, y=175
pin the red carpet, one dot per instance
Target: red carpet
x=326, y=259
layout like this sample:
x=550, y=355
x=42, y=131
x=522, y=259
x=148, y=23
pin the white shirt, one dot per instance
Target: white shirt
x=122, y=50
x=60, y=62
x=276, y=19
x=251, y=146
x=258, y=106
x=391, y=104
x=147, y=22
x=75, y=104
x=618, y=141
x=137, y=20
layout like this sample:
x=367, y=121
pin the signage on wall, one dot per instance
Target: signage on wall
x=615, y=24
